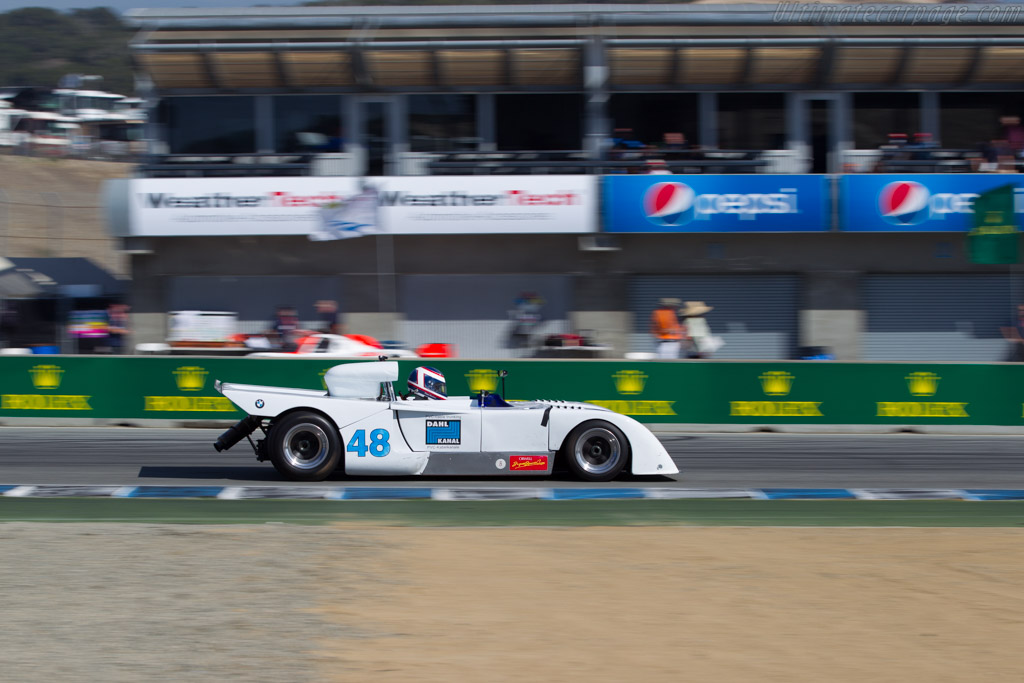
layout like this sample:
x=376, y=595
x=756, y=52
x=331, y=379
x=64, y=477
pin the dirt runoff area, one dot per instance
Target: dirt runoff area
x=269, y=603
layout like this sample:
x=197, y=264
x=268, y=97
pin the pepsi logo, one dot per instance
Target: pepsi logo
x=904, y=202
x=669, y=204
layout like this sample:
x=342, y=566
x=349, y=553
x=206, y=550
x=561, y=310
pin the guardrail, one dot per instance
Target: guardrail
x=666, y=392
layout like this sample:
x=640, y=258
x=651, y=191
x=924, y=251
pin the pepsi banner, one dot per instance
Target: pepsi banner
x=715, y=203
x=923, y=202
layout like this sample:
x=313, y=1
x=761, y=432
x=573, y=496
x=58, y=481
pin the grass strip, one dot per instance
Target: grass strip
x=701, y=512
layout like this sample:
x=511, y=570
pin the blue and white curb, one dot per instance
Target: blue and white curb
x=473, y=494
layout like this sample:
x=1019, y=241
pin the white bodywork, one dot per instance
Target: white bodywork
x=336, y=346
x=385, y=435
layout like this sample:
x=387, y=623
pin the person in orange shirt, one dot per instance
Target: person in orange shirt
x=667, y=330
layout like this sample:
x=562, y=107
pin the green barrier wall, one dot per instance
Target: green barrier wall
x=706, y=392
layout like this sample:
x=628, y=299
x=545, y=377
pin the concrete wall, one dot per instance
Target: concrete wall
x=52, y=208
x=370, y=269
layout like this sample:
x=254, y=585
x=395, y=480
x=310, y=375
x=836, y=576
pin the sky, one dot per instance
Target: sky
x=122, y=5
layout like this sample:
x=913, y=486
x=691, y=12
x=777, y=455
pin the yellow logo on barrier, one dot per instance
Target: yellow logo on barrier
x=629, y=381
x=46, y=376
x=190, y=377
x=775, y=383
x=482, y=380
x=921, y=384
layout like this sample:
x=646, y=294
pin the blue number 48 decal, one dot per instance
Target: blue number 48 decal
x=378, y=447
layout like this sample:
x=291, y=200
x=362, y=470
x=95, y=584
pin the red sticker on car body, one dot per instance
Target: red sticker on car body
x=528, y=462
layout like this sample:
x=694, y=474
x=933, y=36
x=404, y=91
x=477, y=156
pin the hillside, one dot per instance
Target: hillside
x=38, y=46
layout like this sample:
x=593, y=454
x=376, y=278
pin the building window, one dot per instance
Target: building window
x=753, y=121
x=442, y=123
x=308, y=123
x=877, y=115
x=209, y=125
x=968, y=120
x=648, y=117
x=544, y=122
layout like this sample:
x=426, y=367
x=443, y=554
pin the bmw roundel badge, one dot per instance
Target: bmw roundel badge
x=259, y=403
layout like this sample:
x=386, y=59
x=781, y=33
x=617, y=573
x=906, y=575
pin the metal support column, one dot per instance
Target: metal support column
x=842, y=130
x=485, y=122
x=398, y=132
x=596, y=127
x=387, y=300
x=707, y=118
x=264, y=117
x=930, y=116
x=4, y=229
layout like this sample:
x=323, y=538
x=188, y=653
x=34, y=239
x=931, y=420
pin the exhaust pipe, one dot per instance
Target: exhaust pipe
x=233, y=435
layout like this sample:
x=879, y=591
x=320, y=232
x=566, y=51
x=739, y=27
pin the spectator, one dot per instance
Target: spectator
x=286, y=325
x=987, y=160
x=1006, y=162
x=675, y=141
x=1014, y=333
x=658, y=167
x=700, y=343
x=623, y=138
x=117, y=327
x=526, y=318
x=327, y=312
x=922, y=146
x=9, y=322
x=667, y=330
x=1013, y=133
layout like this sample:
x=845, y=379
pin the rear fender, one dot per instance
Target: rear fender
x=273, y=402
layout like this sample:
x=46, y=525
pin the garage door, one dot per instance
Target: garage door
x=475, y=312
x=254, y=298
x=756, y=315
x=938, y=317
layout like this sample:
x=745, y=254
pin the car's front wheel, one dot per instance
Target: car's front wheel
x=596, y=451
x=304, y=446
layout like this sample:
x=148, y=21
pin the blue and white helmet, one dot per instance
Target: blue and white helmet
x=428, y=383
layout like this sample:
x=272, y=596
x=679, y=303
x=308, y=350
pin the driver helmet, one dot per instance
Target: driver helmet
x=427, y=382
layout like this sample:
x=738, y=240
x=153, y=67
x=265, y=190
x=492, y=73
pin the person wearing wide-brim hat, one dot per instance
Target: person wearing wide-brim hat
x=667, y=330
x=694, y=308
x=700, y=342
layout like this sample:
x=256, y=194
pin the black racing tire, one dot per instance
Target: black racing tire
x=596, y=451
x=304, y=446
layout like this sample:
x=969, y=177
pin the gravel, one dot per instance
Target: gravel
x=129, y=602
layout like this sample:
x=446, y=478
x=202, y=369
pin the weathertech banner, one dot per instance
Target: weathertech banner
x=715, y=203
x=408, y=205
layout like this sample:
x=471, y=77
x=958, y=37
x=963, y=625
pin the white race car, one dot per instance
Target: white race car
x=362, y=424
x=334, y=346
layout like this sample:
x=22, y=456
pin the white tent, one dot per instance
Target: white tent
x=15, y=283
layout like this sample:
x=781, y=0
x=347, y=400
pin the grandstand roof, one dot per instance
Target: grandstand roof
x=742, y=47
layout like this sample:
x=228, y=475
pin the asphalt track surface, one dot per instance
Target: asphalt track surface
x=136, y=457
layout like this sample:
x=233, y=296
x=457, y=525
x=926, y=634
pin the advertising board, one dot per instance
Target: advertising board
x=921, y=202
x=715, y=203
x=810, y=392
x=405, y=205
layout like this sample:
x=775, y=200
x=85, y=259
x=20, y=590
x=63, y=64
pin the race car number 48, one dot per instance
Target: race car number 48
x=378, y=447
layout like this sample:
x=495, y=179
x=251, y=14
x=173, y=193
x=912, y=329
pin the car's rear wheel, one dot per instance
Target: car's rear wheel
x=304, y=446
x=596, y=451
